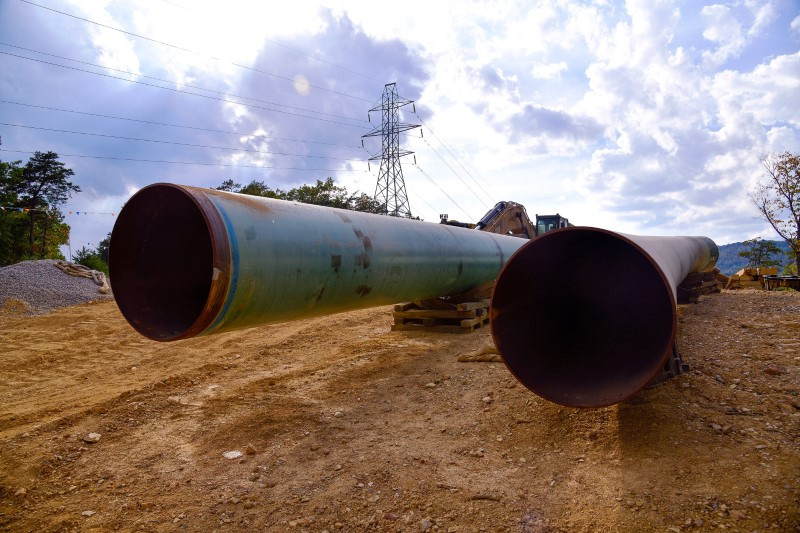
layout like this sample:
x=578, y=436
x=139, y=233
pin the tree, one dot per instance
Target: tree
x=367, y=204
x=12, y=222
x=325, y=193
x=778, y=198
x=91, y=259
x=759, y=253
x=102, y=248
x=322, y=193
x=790, y=268
x=44, y=187
x=229, y=186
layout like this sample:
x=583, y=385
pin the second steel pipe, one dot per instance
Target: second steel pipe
x=587, y=317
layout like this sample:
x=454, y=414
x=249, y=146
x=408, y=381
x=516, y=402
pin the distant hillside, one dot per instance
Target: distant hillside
x=729, y=261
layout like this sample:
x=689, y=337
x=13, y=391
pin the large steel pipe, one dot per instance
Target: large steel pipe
x=586, y=317
x=187, y=261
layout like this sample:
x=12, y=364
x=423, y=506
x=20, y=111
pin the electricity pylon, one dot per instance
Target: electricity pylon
x=391, y=188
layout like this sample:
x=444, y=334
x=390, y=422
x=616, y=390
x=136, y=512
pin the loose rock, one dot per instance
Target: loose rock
x=91, y=438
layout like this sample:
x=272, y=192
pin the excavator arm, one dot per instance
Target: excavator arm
x=507, y=218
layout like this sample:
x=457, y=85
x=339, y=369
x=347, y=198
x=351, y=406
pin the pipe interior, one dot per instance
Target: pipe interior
x=160, y=262
x=582, y=317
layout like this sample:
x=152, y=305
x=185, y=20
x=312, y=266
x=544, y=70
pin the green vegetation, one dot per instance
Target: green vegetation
x=778, y=199
x=31, y=223
x=730, y=261
x=90, y=259
x=759, y=253
x=96, y=259
x=322, y=193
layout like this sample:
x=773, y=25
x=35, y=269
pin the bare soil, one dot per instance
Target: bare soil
x=346, y=426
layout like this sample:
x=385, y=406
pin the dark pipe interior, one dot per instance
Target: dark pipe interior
x=160, y=262
x=582, y=317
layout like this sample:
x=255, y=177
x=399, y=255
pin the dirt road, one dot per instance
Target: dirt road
x=343, y=425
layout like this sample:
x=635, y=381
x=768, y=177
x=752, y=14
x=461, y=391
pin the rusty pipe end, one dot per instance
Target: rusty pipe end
x=583, y=317
x=169, y=260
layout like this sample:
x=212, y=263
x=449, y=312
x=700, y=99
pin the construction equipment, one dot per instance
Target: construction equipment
x=545, y=223
x=507, y=218
x=586, y=317
x=187, y=261
x=510, y=218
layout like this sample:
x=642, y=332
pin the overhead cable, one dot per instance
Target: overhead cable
x=178, y=125
x=191, y=145
x=295, y=50
x=458, y=160
x=189, y=162
x=443, y=191
x=456, y=174
x=179, y=91
x=192, y=51
x=223, y=93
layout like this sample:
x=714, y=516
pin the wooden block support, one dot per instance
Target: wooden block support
x=464, y=317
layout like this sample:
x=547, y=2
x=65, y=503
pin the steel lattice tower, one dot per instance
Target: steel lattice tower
x=391, y=188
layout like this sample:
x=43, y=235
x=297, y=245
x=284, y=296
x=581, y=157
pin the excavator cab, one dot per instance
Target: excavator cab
x=510, y=218
x=545, y=223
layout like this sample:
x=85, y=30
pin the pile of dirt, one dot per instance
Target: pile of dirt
x=339, y=424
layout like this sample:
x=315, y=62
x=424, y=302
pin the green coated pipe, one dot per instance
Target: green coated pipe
x=187, y=261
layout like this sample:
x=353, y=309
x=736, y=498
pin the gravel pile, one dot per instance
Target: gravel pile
x=38, y=287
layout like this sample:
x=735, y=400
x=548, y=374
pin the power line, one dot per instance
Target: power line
x=457, y=159
x=189, y=162
x=421, y=199
x=173, y=82
x=211, y=130
x=456, y=174
x=443, y=191
x=295, y=50
x=192, y=51
x=178, y=90
x=191, y=145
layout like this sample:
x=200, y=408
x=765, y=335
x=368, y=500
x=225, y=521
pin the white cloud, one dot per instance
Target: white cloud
x=724, y=31
x=769, y=94
x=114, y=50
x=549, y=71
x=795, y=24
x=764, y=13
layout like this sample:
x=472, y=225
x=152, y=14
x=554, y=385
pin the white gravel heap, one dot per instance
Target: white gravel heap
x=44, y=287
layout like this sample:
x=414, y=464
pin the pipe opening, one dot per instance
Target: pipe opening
x=583, y=317
x=160, y=262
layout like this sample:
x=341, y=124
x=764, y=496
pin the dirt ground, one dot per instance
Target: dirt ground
x=346, y=426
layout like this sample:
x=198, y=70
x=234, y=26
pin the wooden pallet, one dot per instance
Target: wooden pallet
x=456, y=318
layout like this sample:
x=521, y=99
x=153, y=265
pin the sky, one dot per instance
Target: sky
x=643, y=117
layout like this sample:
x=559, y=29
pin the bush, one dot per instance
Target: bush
x=90, y=259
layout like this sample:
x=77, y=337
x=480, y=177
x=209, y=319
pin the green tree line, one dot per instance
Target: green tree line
x=325, y=193
x=31, y=223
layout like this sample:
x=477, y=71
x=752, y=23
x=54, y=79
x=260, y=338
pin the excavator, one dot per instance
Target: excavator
x=510, y=218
